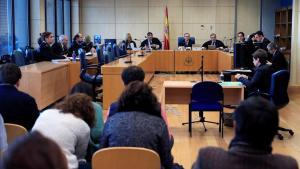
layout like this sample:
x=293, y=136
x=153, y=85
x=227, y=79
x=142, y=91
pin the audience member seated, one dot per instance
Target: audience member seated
x=138, y=123
x=278, y=60
x=77, y=43
x=214, y=42
x=256, y=123
x=15, y=106
x=128, y=42
x=261, y=79
x=96, y=131
x=88, y=45
x=3, y=138
x=68, y=124
x=130, y=74
x=34, y=151
x=151, y=43
x=241, y=37
x=61, y=47
x=187, y=42
x=259, y=37
x=45, y=51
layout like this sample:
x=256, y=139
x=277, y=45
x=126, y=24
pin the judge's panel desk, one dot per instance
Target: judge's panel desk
x=48, y=82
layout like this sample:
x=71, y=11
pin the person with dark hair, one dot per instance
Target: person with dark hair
x=61, y=47
x=259, y=37
x=278, y=60
x=256, y=123
x=77, y=43
x=69, y=125
x=261, y=79
x=45, y=51
x=130, y=74
x=15, y=106
x=96, y=131
x=241, y=37
x=151, y=42
x=34, y=151
x=214, y=42
x=3, y=138
x=138, y=123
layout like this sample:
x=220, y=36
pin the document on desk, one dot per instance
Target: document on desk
x=231, y=84
x=60, y=60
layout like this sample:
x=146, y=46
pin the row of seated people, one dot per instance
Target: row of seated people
x=250, y=147
x=76, y=124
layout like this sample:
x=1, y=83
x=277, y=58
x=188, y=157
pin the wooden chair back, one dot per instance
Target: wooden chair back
x=125, y=158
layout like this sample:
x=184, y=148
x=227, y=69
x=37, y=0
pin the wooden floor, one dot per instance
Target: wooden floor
x=186, y=148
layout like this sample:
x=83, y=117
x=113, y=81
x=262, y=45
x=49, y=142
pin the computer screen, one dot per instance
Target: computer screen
x=97, y=39
x=110, y=41
x=243, y=55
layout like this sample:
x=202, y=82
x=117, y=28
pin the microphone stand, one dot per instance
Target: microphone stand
x=129, y=61
x=202, y=68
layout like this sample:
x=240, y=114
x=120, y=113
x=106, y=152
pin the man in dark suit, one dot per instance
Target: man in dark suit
x=278, y=60
x=259, y=37
x=214, y=42
x=187, y=42
x=77, y=43
x=61, y=47
x=256, y=123
x=151, y=43
x=261, y=78
x=15, y=106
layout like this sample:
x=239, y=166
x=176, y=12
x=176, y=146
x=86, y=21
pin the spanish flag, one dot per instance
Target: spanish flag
x=166, y=31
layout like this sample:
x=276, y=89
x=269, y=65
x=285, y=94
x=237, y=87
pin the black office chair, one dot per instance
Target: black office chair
x=94, y=79
x=206, y=96
x=279, y=95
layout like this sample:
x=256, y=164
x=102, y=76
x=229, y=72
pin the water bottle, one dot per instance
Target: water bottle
x=74, y=56
x=222, y=77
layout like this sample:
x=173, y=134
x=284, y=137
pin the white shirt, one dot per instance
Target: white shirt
x=3, y=139
x=71, y=133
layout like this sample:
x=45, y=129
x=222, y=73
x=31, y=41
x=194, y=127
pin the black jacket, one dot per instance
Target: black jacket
x=154, y=41
x=58, y=49
x=218, y=44
x=279, y=62
x=17, y=107
x=46, y=52
x=74, y=47
x=239, y=157
x=261, y=79
x=182, y=43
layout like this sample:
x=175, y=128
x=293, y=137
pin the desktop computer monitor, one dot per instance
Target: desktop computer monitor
x=110, y=41
x=243, y=55
x=97, y=39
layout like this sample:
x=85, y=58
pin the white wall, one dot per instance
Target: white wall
x=248, y=16
x=114, y=18
x=295, y=56
x=37, y=14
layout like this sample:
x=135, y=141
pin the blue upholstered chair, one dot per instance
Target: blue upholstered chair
x=279, y=95
x=94, y=79
x=206, y=96
x=18, y=57
x=100, y=55
x=116, y=51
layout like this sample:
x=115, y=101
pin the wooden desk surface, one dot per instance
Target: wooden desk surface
x=42, y=67
x=178, y=92
x=190, y=84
